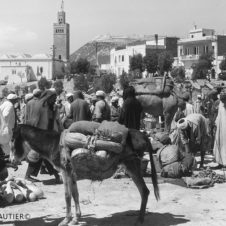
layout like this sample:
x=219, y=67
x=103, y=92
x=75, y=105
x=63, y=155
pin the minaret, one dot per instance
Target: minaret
x=61, y=36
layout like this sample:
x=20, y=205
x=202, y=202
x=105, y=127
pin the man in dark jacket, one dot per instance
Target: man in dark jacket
x=79, y=110
x=131, y=110
x=102, y=110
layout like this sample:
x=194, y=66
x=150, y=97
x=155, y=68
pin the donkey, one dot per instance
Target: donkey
x=48, y=145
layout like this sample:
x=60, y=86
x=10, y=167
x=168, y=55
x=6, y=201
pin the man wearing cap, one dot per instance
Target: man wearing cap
x=102, y=110
x=8, y=113
x=115, y=109
x=194, y=134
x=80, y=110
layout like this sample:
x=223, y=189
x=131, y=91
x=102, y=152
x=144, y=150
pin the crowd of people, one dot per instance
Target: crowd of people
x=197, y=123
x=49, y=111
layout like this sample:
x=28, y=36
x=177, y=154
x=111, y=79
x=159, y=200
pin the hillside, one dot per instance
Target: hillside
x=103, y=44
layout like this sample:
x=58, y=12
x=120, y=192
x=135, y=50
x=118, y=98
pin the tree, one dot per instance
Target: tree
x=151, y=62
x=124, y=80
x=43, y=84
x=105, y=82
x=178, y=73
x=223, y=64
x=165, y=61
x=5, y=92
x=200, y=69
x=17, y=89
x=81, y=83
x=136, y=63
x=81, y=66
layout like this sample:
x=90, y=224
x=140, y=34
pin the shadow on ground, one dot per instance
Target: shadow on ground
x=127, y=218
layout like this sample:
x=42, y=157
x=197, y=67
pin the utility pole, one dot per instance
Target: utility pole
x=53, y=48
x=97, y=62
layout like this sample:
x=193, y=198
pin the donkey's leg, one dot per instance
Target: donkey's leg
x=68, y=190
x=133, y=166
x=75, y=196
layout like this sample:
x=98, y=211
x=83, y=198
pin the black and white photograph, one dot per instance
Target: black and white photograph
x=113, y=113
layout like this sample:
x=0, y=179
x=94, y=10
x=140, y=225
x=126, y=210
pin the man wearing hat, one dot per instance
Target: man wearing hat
x=80, y=110
x=194, y=134
x=102, y=110
x=8, y=113
x=115, y=109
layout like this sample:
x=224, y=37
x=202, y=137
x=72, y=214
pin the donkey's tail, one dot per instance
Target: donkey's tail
x=153, y=171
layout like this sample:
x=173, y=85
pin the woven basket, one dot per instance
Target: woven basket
x=89, y=165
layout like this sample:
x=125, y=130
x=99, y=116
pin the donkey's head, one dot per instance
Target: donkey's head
x=19, y=149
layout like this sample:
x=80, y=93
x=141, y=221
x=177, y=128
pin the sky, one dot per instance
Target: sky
x=26, y=26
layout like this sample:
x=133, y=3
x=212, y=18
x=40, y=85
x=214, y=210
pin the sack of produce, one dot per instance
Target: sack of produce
x=172, y=170
x=91, y=165
x=113, y=131
x=84, y=127
x=75, y=140
x=167, y=155
x=108, y=146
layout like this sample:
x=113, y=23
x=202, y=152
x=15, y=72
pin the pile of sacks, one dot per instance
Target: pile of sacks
x=18, y=190
x=95, y=147
x=173, y=162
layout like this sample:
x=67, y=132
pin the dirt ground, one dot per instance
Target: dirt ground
x=114, y=202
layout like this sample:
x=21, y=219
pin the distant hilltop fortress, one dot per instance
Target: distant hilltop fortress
x=18, y=68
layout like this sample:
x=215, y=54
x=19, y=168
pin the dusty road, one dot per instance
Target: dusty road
x=114, y=202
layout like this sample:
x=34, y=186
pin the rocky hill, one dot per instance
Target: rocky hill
x=103, y=44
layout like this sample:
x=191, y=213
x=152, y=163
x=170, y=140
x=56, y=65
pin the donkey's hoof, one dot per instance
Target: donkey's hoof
x=74, y=221
x=65, y=221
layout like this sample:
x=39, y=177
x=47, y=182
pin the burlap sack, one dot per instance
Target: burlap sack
x=168, y=154
x=84, y=127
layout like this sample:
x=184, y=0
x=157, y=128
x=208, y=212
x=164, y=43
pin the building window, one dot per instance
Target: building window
x=206, y=49
x=181, y=52
x=59, y=57
x=192, y=36
x=115, y=60
x=122, y=58
x=196, y=50
x=187, y=51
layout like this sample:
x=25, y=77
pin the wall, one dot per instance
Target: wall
x=28, y=68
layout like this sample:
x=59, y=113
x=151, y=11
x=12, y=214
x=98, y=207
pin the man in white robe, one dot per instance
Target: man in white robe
x=219, y=149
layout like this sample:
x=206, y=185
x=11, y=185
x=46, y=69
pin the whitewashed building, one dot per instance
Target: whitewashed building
x=120, y=57
x=25, y=67
x=201, y=41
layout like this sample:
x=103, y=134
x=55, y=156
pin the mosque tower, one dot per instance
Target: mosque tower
x=61, y=36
